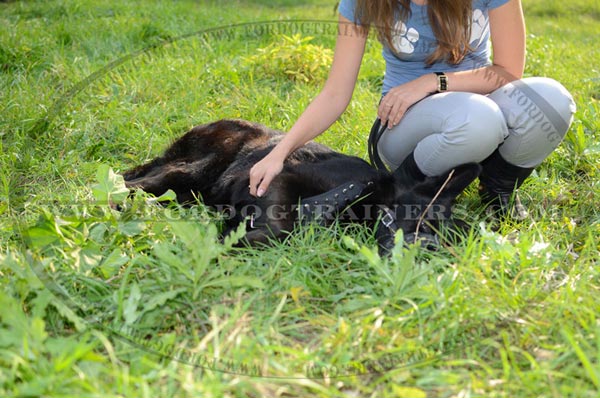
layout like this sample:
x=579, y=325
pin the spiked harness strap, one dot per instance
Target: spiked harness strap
x=327, y=204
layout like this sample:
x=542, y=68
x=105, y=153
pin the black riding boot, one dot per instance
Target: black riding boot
x=408, y=173
x=499, y=181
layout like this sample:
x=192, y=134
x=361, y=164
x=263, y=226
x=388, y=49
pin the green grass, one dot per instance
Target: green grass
x=147, y=302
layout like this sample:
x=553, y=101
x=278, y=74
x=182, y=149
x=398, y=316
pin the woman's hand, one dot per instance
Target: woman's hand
x=397, y=101
x=263, y=172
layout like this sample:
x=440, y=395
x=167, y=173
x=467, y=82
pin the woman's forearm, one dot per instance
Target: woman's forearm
x=482, y=80
x=323, y=111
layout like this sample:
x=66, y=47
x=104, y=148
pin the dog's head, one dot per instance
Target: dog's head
x=423, y=208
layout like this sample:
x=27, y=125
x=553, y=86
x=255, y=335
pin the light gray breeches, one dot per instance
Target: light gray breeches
x=527, y=119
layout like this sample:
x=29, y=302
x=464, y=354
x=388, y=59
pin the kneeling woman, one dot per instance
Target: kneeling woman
x=445, y=100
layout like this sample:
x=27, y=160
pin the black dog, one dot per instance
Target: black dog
x=212, y=162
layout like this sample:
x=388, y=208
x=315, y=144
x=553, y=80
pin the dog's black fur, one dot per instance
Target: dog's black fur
x=212, y=162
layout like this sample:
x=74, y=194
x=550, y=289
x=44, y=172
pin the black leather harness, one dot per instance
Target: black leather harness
x=326, y=205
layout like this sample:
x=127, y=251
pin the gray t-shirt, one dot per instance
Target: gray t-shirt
x=414, y=42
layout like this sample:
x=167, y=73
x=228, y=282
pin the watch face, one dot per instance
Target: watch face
x=442, y=82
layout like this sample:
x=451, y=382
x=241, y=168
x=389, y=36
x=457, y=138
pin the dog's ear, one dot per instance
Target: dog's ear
x=456, y=180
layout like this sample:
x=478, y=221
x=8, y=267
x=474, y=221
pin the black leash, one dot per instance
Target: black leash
x=374, y=137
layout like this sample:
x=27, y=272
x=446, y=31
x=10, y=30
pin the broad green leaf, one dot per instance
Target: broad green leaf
x=69, y=314
x=40, y=236
x=169, y=196
x=37, y=331
x=132, y=228
x=41, y=302
x=164, y=253
x=160, y=299
x=130, y=311
x=112, y=263
x=110, y=187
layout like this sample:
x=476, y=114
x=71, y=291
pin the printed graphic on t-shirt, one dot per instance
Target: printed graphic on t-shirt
x=405, y=39
x=479, y=28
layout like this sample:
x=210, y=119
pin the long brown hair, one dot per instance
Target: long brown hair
x=450, y=21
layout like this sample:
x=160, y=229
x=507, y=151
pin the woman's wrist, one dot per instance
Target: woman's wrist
x=280, y=152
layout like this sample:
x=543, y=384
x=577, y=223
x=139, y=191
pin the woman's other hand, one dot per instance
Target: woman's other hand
x=397, y=101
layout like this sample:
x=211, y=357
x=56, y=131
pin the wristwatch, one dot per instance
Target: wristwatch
x=442, y=82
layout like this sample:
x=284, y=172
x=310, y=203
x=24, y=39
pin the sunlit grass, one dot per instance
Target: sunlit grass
x=149, y=302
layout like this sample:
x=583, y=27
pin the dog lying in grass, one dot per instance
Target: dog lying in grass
x=212, y=162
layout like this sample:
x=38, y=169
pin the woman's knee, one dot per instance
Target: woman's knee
x=478, y=123
x=536, y=103
x=538, y=111
x=556, y=94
